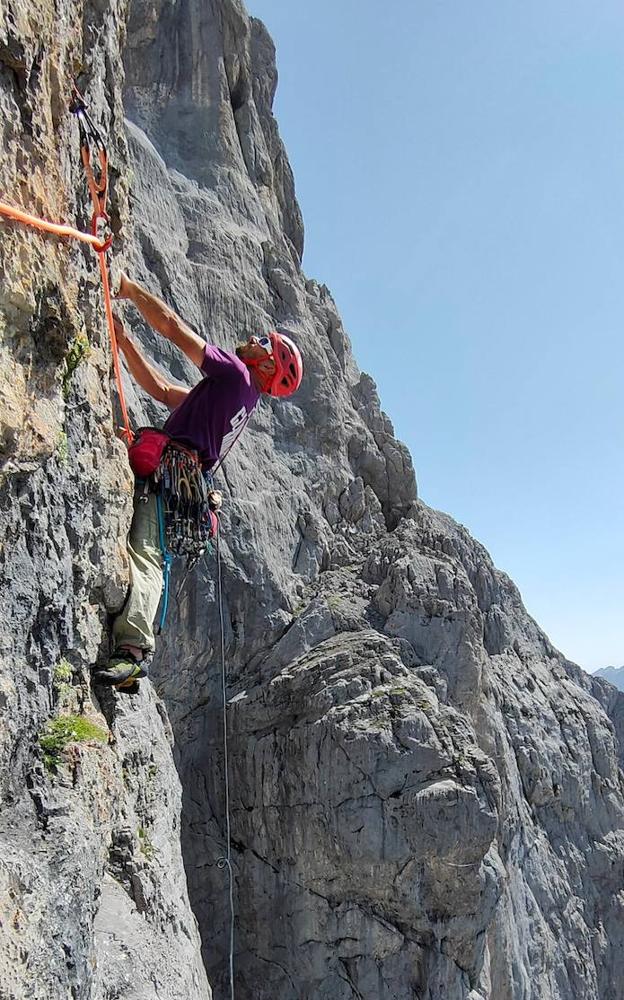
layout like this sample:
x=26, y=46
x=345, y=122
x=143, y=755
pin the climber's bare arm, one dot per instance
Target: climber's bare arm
x=163, y=319
x=174, y=395
x=148, y=377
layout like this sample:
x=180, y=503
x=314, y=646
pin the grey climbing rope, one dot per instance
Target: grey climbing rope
x=226, y=862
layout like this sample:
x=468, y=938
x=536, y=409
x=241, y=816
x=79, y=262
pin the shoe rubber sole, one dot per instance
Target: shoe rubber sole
x=131, y=686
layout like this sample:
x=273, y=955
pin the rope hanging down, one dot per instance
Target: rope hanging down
x=226, y=862
x=100, y=238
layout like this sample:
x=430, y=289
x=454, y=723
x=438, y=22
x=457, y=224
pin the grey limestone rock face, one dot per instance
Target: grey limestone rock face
x=93, y=898
x=426, y=797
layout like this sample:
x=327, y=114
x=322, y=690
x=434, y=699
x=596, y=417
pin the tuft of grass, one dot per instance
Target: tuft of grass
x=145, y=845
x=63, y=672
x=383, y=691
x=78, y=350
x=62, y=448
x=61, y=680
x=60, y=732
x=334, y=602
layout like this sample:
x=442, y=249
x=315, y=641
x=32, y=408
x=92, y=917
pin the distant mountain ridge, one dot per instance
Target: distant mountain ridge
x=615, y=675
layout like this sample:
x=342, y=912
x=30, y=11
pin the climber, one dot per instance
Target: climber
x=207, y=418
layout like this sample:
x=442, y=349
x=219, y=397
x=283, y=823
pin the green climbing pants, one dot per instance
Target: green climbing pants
x=134, y=625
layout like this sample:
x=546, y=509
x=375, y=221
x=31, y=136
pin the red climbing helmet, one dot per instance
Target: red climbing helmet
x=288, y=365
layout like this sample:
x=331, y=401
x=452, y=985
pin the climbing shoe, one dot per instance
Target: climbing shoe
x=130, y=686
x=122, y=671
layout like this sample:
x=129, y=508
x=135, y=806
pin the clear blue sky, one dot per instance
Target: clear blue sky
x=460, y=168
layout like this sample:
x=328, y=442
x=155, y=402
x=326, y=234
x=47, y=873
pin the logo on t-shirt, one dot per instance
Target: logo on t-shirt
x=237, y=423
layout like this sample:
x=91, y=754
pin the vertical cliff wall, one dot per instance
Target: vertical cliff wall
x=426, y=797
x=93, y=900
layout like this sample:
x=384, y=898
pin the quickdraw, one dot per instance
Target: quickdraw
x=90, y=136
x=100, y=227
x=100, y=238
x=184, y=493
x=186, y=511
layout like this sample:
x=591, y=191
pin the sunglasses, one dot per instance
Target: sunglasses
x=266, y=344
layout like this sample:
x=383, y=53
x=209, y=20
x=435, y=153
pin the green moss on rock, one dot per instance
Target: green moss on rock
x=66, y=729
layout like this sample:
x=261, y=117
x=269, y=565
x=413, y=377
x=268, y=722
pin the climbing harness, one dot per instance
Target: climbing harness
x=100, y=238
x=186, y=501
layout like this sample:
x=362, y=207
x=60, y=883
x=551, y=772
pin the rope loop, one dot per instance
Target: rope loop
x=101, y=229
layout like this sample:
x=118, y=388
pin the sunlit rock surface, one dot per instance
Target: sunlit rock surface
x=426, y=799
x=93, y=900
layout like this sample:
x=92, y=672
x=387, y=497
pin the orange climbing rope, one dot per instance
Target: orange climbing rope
x=51, y=227
x=98, y=189
x=100, y=238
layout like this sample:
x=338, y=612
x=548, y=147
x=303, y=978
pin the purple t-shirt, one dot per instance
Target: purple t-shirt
x=215, y=410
